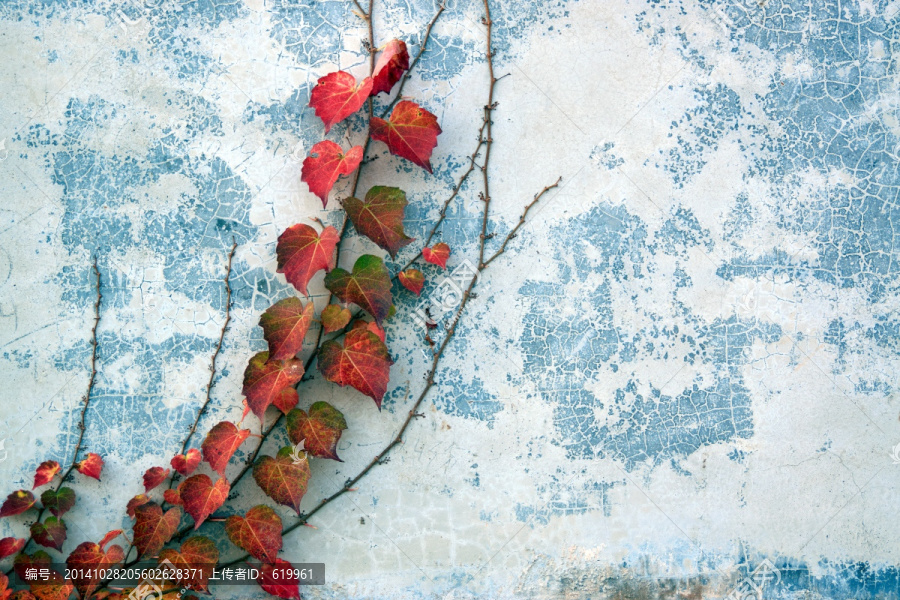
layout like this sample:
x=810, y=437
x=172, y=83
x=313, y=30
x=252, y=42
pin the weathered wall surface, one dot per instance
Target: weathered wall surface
x=686, y=366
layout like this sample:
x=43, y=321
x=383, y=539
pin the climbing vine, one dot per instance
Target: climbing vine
x=350, y=349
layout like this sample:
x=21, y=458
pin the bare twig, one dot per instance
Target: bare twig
x=521, y=222
x=489, y=141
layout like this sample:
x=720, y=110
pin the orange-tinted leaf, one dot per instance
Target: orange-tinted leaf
x=437, y=254
x=411, y=133
x=391, y=65
x=369, y=285
x=286, y=400
x=17, y=503
x=302, y=253
x=362, y=362
x=54, y=588
x=152, y=528
x=259, y=533
x=45, y=473
x=413, y=280
x=186, y=463
x=325, y=163
x=371, y=326
x=5, y=592
x=90, y=466
x=138, y=500
x=320, y=430
x=264, y=380
x=87, y=560
x=58, y=502
x=196, y=559
x=154, y=476
x=110, y=536
x=335, y=317
x=201, y=497
x=173, y=497
x=21, y=595
x=283, y=478
x=380, y=217
x=280, y=580
x=284, y=325
x=10, y=545
x=337, y=96
x=50, y=534
x=221, y=443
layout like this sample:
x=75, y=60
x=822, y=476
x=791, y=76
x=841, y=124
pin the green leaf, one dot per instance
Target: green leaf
x=58, y=502
x=380, y=217
x=51, y=533
x=369, y=286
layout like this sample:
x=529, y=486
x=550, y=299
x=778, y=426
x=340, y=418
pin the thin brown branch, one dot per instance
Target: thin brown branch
x=521, y=222
x=403, y=80
x=488, y=110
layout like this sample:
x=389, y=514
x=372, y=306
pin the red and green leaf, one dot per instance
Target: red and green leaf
x=138, y=500
x=335, y=317
x=186, y=463
x=88, y=560
x=265, y=379
x=286, y=400
x=45, y=473
x=413, y=280
x=369, y=286
x=283, y=478
x=196, y=557
x=325, y=163
x=153, y=528
x=320, y=430
x=284, y=325
x=154, y=476
x=337, y=96
x=380, y=217
x=437, y=254
x=302, y=252
x=10, y=545
x=221, y=443
x=50, y=534
x=362, y=362
x=58, y=502
x=17, y=503
x=259, y=532
x=201, y=497
x=393, y=62
x=411, y=133
x=90, y=466
x=280, y=580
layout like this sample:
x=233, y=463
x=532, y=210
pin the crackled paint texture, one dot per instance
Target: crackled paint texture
x=685, y=366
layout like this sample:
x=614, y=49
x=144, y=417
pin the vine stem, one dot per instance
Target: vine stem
x=85, y=400
x=489, y=141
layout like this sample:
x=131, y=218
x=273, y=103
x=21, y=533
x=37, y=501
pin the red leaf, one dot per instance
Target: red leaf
x=411, y=133
x=391, y=65
x=38, y=560
x=58, y=502
x=152, y=528
x=337, y=96
x=280, y=580
x=437, y=254
x=335, y=317
x=283, y=478
x=369, y=285
x=201, y=498
x=90, y=466
x=264, y=380
x=17, y=503
x=22, y=595
x=154, y=476
x=10, y=545
x=5, y=592
x=54, y=588
x=259, y=533
x=362, y=362
x=380, y=217
x=173, y=497
x=302, y=253
x=221, y=443
x=138, y=500
x=45, y=473
x=50, y=534
x=196, y=559
x=88, y=560
x=284, y=325
x=320, y=430
x=413, y=280
x=325, y=163
x=186, y=463
x=286, y=400
x=371, y=326
x=110, y=536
